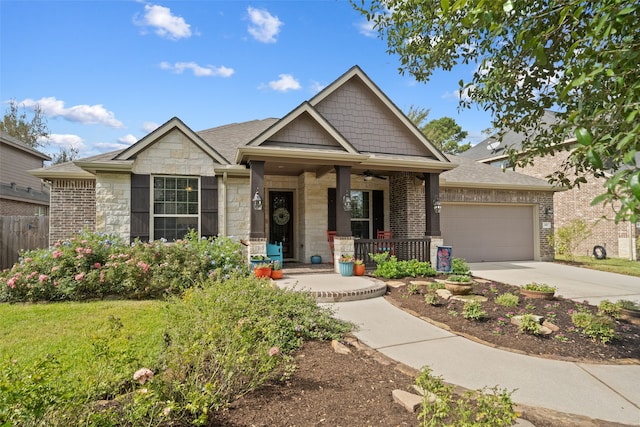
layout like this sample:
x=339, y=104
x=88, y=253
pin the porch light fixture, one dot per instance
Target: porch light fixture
x=548, y=211
x=257, y=201
x=346, y=202
x=437, y=207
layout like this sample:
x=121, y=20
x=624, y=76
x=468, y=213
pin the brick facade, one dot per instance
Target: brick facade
x=576, y=204
x=407, y=219
x=18, y=208
x=73, y=207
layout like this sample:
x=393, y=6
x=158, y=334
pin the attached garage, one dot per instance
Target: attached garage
x=489, y=232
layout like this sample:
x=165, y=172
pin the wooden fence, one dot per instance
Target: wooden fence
x=21, y=232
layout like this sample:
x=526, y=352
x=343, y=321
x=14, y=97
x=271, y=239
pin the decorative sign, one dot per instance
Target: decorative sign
x=546, y=224
x=281, y=216
x=443, y=259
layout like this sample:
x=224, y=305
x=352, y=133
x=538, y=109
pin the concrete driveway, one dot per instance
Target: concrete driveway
x=575, y=283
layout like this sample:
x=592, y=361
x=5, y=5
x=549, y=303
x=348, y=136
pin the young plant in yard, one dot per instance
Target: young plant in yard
x=460, y=266
x=472, y=310
x=431, y=297
x=507, y=299
x=529, y=324
x=610, y=309
x=538, y=287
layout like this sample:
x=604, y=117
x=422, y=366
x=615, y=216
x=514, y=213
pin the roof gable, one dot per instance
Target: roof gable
x=304, y=126
x=369, y=120
x=155, y=136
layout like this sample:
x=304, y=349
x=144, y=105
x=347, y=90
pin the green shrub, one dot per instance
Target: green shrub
x=507, y=300
x=431, y=298
x=460, y=266
x=530, y=324
x=390, y=268
x=539, y=287
x=611, y=309
x=581, y=319
x=93, y=266
x=567, y=239
x=472, y=310
x=459, y=278
x=598, y=328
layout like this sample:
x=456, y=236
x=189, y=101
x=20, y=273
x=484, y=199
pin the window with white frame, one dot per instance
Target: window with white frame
x=175, y=206
x=361, y=214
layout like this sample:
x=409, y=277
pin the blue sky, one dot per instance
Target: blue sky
x=106, y=73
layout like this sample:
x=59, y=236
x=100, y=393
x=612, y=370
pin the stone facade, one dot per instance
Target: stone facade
x=234, y=202
x=174, y=154
x=113, y=204
x=576, y=204
x=73, y=208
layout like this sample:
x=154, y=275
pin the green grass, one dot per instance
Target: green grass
x=69, y=332
x=613, y=265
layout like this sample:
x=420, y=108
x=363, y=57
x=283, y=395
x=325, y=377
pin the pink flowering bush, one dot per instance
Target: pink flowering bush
x=94, y=266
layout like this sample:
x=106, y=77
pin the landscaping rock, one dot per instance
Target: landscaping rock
x=521, y=422
x=430, y=396
x=409, y=401
x=395, y=284
x=467, y=298
x=550, y=325
x=443, y=293
x=419, y=282
x=340, y=348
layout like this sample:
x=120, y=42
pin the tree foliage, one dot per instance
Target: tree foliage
x=30, y=132
x=65, y=155
x=576, y=57
x=444, y=132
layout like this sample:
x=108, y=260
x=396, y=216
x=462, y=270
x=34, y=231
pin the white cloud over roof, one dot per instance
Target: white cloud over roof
x=285, y=83
x=198, y=70
x=85, y=114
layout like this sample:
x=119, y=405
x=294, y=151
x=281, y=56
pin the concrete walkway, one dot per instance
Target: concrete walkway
x=604, y=392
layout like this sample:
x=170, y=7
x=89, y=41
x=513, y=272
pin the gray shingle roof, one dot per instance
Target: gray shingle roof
x=470, y=173
x=226, y=139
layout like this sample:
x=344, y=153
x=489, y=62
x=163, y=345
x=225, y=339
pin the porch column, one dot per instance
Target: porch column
x=431, y=194
x=256, y=182
x=343, y=188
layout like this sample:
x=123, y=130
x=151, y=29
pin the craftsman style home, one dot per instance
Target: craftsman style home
x=345, y=171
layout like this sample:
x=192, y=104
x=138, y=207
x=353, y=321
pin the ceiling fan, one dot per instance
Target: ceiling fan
x=368, y=175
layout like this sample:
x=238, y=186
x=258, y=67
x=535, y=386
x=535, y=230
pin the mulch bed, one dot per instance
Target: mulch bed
x=496, y=329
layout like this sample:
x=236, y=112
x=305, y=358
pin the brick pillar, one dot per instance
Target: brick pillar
x=406, y=200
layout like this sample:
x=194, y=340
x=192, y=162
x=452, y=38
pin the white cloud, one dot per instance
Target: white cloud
x=198, y=70
x=366, y=28
x=165, y=24
x=110, y=146
x=285, y=83
x=149, y=127
x=128, y=139
x=264, y=26
x=316, y=87
x=65, y=141
x=85, y=114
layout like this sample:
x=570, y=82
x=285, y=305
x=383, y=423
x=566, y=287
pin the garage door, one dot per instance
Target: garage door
x=488, y=232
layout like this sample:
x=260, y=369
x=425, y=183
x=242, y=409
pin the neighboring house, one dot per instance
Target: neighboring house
x=571, y=204
x=348, y=160
x=21, y=194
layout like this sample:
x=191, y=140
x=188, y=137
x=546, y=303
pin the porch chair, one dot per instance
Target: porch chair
x=330, y=236
x=274, y=251
x=385, y=246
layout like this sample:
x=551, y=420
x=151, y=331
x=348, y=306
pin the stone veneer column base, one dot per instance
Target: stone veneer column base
x=433, y=249
x=256, y=247
x=341, y=245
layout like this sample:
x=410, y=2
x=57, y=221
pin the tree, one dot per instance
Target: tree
x=576, y=57
x=65, y=155
x=17, y=125
x=444, y=133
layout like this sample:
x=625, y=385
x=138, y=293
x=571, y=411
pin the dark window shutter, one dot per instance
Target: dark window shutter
x=140, y=205
x=331, y=209
x=378, y=210
x=209, y=206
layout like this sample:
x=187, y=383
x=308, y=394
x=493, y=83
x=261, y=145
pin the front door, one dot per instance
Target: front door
x=281, y=221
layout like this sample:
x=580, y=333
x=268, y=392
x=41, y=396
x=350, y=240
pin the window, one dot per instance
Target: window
x=175, y=206
x=361, y=214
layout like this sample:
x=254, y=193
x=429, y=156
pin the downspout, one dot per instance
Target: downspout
x=224, y=204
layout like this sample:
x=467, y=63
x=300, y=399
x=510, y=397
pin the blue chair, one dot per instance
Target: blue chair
x=274, y=251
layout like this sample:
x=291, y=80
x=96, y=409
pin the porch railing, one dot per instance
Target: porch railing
x=403, y=249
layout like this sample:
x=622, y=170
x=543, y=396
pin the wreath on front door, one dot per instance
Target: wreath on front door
x=281, y=216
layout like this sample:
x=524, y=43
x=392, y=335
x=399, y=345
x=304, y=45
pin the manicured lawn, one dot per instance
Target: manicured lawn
x=73, y=332
x=613, y=265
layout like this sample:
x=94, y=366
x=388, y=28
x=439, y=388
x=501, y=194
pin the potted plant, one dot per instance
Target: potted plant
x=276, y=270
x=459, y=284
x=346, y=264
x=538, y=290
x=358, y=267
x=258, y=259
x=262, y=270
